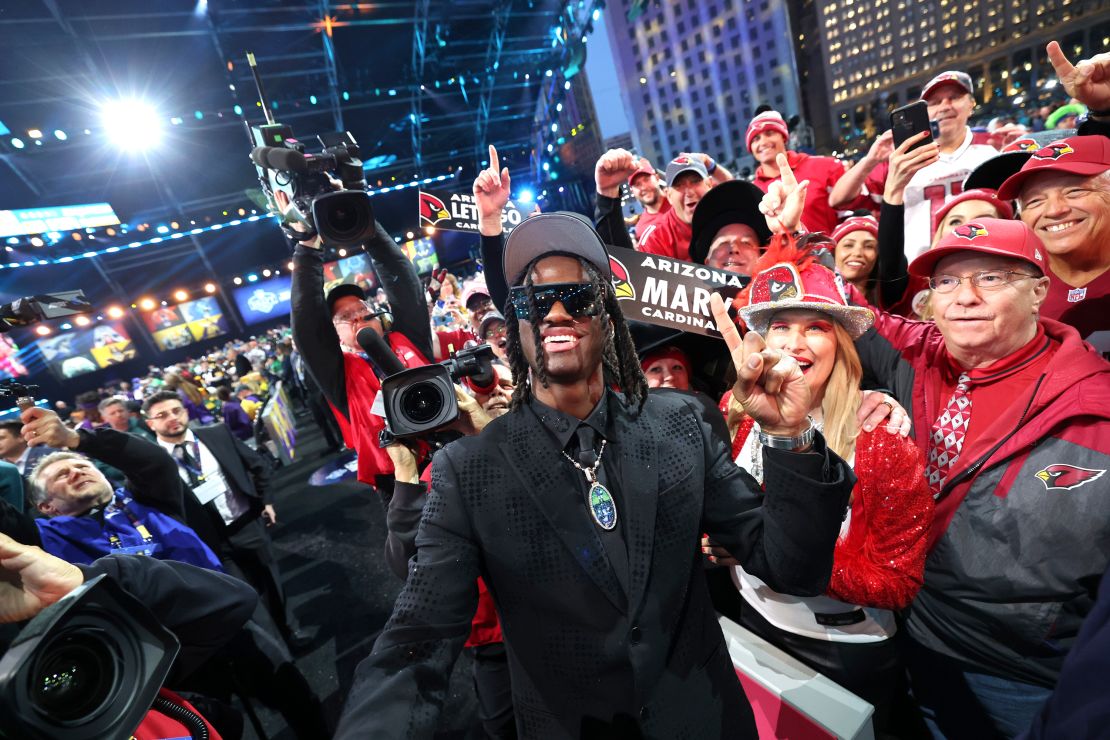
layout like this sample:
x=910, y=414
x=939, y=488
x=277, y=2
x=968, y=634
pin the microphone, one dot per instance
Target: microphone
x=279, y=158
x=379, y=352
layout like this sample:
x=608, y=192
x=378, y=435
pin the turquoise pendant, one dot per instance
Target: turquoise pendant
x=602, y=506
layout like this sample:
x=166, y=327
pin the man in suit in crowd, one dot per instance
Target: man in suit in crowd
x=229, y=501
x=14, y=449
x=581, y=509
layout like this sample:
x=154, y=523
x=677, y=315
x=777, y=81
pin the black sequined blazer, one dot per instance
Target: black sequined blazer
x=584, y=656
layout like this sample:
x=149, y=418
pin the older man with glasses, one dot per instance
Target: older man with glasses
x=1013, y=413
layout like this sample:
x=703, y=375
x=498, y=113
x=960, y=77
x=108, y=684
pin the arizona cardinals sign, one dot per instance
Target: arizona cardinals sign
x=668, y=292
x=458, y=212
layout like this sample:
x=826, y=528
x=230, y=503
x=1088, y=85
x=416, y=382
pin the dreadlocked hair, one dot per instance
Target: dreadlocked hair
x=620, y=363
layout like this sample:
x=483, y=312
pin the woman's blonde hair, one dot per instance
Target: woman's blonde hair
x=842, y=396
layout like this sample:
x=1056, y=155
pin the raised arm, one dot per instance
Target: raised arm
x=851, y=183
x=313, y=331
x=402, y=289
x=613, y=168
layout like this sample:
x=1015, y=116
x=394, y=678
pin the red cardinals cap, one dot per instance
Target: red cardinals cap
x=476, y=288
x=1005, y=210
x=856, y=223
x=996, y=170
x=549, y=234
x=815, y=287
x=669, y=352
x=1076, y=155
x=643, y=167
x=766, y=121
x=952, y=77
x=987, y=236
x=681, y=164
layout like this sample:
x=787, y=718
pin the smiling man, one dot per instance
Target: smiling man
x=1063, y=190
x=1012, y=411
x=688, y=180
x=581, y=510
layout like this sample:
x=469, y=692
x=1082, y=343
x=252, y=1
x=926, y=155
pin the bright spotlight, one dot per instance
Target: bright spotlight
x=209, y=287
x=115, y=312
x=18, y=143
x=266, y=272
x=526, y=196
x=180, y=295
x=60, y=135
x=42, y=330
x=147, y=304
x=238, y=280
x=131, y=124
x=82, y=321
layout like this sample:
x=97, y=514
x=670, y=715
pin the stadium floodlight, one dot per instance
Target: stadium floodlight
x=131, y=124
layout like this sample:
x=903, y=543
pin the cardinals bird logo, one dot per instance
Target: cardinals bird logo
x=1021, y=145
x=970, y=231
x=621, y=284
x=681, y=160
x=1055, y=150
x=432, y=210
x=1061, y=477
x=778, y=283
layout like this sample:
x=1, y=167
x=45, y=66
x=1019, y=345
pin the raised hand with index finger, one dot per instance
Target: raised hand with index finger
x=491, y=193
x=784, y=200
x=769, y=385
x=1088, y=81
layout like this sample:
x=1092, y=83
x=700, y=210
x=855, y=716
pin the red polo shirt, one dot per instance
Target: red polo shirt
x=822, y=173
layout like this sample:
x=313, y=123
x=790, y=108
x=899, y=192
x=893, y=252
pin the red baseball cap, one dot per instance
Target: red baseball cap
x=952, y=77
x=1077, y=155
x=1005, y=210
x=643, y=167
x=1005, y=238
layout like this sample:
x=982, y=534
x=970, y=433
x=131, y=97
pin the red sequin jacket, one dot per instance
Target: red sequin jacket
x=881, y=561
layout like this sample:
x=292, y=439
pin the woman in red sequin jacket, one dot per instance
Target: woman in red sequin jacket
x=799, y=308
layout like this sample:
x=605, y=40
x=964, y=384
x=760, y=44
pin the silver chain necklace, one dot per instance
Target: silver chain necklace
x=602, y=506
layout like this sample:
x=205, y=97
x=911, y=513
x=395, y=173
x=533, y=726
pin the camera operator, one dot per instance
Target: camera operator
x=203, y=609
x=325, y=331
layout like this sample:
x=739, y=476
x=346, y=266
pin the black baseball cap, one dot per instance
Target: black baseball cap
x=344, y=289
x=732, y=202
x=549, y=234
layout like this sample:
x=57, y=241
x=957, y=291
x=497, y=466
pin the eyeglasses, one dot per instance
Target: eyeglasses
x=984, y=280
x=357, y=318
x=179, y=411
x=496, y=331
x=579, y=299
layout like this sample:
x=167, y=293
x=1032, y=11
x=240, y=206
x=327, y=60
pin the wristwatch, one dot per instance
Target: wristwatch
x=779, y=442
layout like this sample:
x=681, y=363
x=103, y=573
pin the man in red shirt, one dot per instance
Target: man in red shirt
x=1064, y=193
x=646, y=188
x=767, y=138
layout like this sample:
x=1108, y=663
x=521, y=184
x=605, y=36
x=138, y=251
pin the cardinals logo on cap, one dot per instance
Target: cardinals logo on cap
x=779, y=283
x=1055, y=150
x=681, y=160
x=1061, y=477
x=970, y=231
x=621, y=284
x=432, y=210
x=1021, y=145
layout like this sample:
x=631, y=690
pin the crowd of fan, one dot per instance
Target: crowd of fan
x=927, y=274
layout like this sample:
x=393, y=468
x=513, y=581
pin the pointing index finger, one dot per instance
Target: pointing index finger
x=785, y=171
x=1059, y=61
x=494, y=163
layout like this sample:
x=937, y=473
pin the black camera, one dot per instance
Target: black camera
x=342, y=218
x=422, y=399
x=85, y=668
x=36, y=308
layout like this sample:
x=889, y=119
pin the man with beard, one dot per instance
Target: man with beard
x=581, y=507
x=645, y=187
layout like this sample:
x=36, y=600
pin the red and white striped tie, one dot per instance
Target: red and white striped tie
x=947, y=439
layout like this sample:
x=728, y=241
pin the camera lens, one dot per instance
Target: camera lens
x=74, y=677
x=422, y=402
x=344, y=217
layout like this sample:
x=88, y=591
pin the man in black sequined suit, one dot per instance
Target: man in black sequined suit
x=607, y=620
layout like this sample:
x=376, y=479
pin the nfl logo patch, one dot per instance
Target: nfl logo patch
x=1075, y=295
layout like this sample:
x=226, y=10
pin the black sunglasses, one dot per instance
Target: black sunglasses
x=579, y=299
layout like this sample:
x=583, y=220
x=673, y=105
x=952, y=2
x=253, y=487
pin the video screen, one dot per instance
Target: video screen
x=422, y=254
x=356, y=269
x=265, y=300
x=10, y=363
x=86, y=350
x=186, y=323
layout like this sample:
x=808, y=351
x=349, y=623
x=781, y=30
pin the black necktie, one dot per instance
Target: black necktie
x=186, y=461
x=587, y=454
